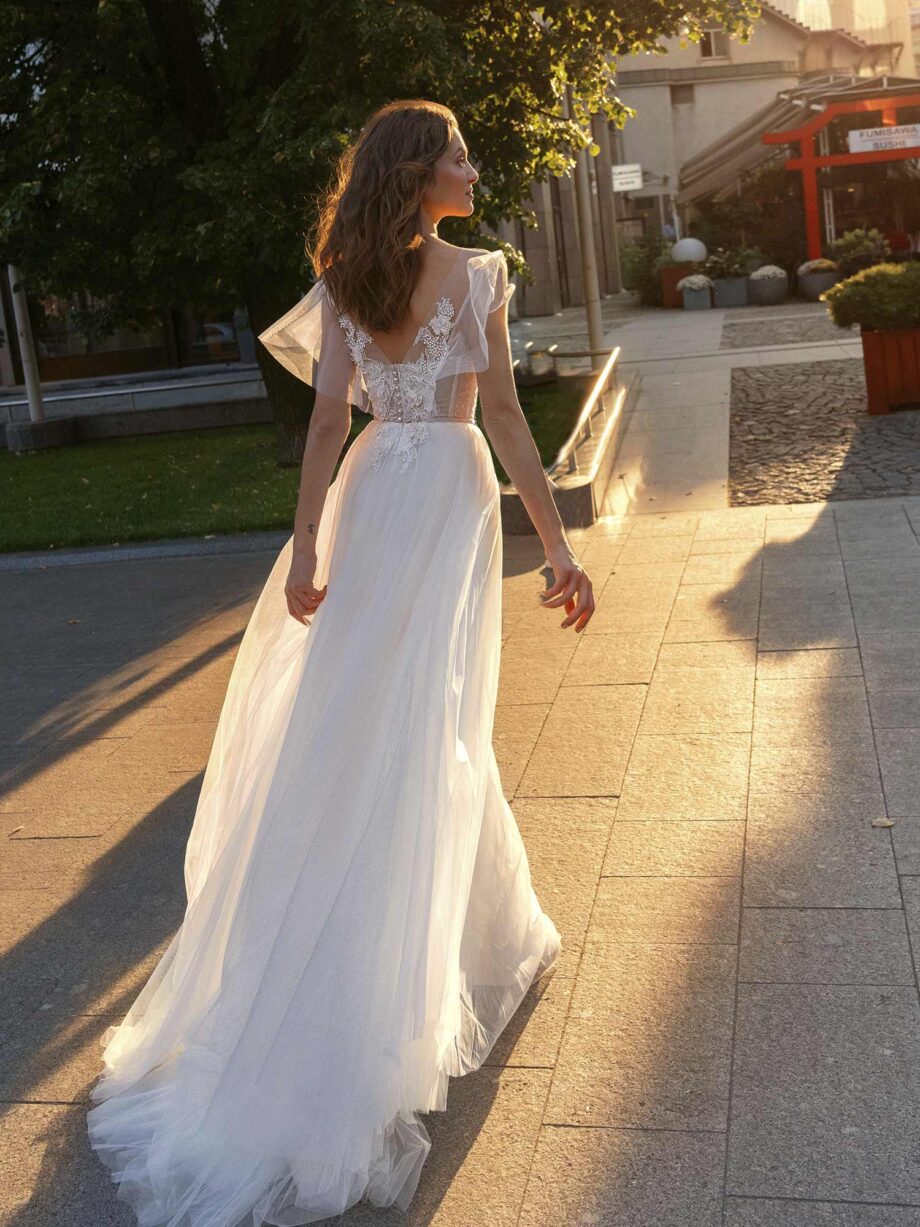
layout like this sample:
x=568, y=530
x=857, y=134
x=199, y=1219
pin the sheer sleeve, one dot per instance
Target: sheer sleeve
x=502, y=286
x=311, y=343
x=489, y=288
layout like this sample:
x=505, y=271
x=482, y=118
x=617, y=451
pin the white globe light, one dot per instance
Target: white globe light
x=688, y=251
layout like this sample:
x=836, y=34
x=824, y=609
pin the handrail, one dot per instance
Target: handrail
x=605, y=433
x=588, y=408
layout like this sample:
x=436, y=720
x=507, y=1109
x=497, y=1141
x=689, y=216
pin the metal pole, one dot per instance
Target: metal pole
x=586, y=245
x=26, y=344
x=608, y=197
x=616, y=244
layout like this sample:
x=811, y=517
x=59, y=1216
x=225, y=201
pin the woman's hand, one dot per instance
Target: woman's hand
x=572, y=588
x=303, y=599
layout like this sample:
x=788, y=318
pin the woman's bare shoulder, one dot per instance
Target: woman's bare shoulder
x=469, y=252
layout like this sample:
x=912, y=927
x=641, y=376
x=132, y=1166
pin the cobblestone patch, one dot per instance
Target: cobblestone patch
x=800, y=433
x=779, y=331
x=792, y=306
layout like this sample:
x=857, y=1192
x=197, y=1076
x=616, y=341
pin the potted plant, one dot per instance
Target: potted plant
x=885, y=301
x=816, y=276
x=859, y=249
x=671, y=277
x=767, y=285
x=728, y=269
x=696, y=291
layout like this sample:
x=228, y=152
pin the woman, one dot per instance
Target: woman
x=361, y=923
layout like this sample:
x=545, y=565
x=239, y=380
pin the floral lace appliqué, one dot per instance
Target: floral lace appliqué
x=402, y=394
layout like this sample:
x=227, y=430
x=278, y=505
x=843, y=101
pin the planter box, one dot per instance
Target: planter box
x=891, y=358
x=697, y=300
x=729, y=291
x=767, y=291
x=670, y=275
x=813, y=285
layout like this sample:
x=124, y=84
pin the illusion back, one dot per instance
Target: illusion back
x=435, y=381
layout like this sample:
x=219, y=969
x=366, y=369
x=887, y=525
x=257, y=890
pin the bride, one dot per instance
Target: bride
x=361, y=922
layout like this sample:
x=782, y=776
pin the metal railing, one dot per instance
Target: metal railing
x=585, y=427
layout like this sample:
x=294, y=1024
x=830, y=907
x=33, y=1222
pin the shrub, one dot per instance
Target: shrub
x=642, y=265
x=817, y=266
x=696, y=281
x=760, y=217
x=858, y=249
x=886, y=296
x=752, y=258
x=727, y=262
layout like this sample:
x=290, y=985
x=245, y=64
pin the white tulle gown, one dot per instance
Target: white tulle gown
x=360, y=922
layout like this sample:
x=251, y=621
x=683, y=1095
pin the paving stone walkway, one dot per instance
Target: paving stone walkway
x=782, y=329
x=703, y=780
x=718, y=785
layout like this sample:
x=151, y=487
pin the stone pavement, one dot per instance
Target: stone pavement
x=718, y=785
x=732, y=1036
x=804, y=433
x=675, y=452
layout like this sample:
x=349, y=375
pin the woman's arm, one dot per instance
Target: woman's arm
x=330, y=424
x=506, y=426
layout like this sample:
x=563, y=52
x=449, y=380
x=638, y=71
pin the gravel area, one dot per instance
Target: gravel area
x=779, y=331
x=800, y=433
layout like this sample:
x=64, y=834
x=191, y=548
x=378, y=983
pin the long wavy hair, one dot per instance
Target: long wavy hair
x=368, y=244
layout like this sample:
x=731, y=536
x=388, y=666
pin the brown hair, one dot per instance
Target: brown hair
x=368, y=244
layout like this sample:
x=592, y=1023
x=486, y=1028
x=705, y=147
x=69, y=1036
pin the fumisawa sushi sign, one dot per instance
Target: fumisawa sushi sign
x=896, y=136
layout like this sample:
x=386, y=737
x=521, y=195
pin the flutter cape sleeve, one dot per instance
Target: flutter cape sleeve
x=489, y=288
x=311, y=343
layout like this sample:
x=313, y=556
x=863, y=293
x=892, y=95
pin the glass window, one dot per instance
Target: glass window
x=714, y=45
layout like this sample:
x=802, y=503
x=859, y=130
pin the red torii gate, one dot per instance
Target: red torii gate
x=809, y=162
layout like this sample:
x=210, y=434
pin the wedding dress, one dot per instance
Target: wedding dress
x=361, y=922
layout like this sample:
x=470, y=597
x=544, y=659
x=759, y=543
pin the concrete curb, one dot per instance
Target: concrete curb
x=180, y=547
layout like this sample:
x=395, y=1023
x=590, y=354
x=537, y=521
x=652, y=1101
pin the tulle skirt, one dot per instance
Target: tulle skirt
x=360, y=923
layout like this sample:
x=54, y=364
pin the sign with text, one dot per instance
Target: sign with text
x=627, y=176
x=896, y=136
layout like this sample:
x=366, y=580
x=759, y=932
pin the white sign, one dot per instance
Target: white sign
x=627, y=177
x=897, y=136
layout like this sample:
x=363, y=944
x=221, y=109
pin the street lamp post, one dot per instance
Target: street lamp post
x=586, y=248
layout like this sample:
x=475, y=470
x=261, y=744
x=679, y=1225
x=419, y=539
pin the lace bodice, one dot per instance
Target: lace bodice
x=405, y=392
x=435, y=382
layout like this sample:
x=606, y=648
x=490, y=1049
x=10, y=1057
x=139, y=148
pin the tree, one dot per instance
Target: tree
x=155, y=151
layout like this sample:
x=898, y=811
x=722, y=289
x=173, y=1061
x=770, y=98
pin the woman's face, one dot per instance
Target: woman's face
x=451, y=194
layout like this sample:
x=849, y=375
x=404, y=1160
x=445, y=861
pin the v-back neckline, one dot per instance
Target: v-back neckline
x=422, y=329
x=433, y=313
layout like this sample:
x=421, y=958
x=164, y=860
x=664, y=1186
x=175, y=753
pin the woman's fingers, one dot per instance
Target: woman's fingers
x=566, y=595
x=580, y=610
x=572, y=589
x=296, y=608
x=581, y=616
x=303, y=600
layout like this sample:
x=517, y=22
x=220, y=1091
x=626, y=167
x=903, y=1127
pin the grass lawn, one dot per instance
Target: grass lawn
x=190, y=483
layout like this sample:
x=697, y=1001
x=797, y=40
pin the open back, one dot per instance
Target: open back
x=436, y=381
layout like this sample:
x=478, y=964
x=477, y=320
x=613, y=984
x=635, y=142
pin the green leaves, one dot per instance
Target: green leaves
x=159, y=162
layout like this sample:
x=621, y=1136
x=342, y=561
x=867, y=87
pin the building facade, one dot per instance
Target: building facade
x=687, y=100
x=696, y=93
